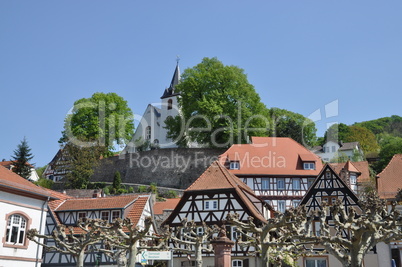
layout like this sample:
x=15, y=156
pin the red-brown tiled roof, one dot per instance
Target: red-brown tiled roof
x=109, y=202
x=390, y=179
x=12, y=181
x=137, y=208
x=272, y=156
x=218, y=177
x=169, y=204
x=8, y=163
x=361, y=167
x=53, y=204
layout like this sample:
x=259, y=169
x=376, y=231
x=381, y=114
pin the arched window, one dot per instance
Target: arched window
x=156, y=142
x=16, y=229
x=148, y=133
x=170, y=104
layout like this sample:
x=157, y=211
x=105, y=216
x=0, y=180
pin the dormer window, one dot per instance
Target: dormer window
x=309, y=166
x=234, y=165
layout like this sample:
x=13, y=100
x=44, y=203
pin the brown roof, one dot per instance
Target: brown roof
x=109, y=202
x=361, y=167
x=218, y=177
x=169, y=204
x=11, y=181
x=8, y=163
x=390, y=179
x=271, y=156
x=348, y=146
x=133, y=203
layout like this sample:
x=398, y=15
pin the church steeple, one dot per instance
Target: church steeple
x=170, y=91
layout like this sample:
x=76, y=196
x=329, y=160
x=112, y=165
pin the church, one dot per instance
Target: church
x=150, y=132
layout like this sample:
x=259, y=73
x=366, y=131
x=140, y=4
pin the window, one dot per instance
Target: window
x=333, y=148
x=264, y=183
x=237, y=263
x=316, y=228
x=170, y=104
x=295, y=203
x=211, y=205
x=200, y=231
x=281, y=205
x=115, y=214
x=353, y=179
x=280, y=183
x=328, y=175
x=82, y=215
x=234, y=165
x=105, y=215
x=330, y=200
x=309, y=165
x=16, y=228
x=296, y=183
x=156, y=142
x=148, y=133
x=234, y=233
x=310, y=182
x=317, y=262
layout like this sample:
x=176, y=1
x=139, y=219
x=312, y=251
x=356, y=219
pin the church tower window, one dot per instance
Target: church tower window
x=170, y=104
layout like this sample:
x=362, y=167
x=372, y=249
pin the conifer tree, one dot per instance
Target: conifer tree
x=21, y=158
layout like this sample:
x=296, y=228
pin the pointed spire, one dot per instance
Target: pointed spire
x=175, y=81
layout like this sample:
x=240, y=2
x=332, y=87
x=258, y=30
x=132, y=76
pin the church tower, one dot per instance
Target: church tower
x=150, y=131
x=169, y=107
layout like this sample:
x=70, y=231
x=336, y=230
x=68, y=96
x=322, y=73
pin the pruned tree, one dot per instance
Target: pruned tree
x=67, y=241
x=273, y=239
x=192, y=238
x=349, y=236
x=123, y=236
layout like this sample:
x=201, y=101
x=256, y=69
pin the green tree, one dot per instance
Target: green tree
x=219, y=106
x=102, y=120
x=336, y=133
x=389, y=147
x=40, y=171
x=21, y=158
x=81, y=164
x=364, y=136
x=46, y=183
x=116, y=181
x=289, y=124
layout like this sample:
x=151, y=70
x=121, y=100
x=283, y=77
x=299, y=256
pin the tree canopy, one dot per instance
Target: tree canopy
x=21, y=158
x=103, y=120
x=390, y=146
x=219, y=106
x=289, y=124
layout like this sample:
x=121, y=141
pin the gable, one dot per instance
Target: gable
x=328, y=187
x=193, y=206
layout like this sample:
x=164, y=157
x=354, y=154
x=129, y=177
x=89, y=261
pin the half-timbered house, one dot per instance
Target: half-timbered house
x=209, y=199
x=329, y=187
x=278, y=169
x=68, y=211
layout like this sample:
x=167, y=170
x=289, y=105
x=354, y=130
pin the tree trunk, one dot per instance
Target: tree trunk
x=198, y=255
x=356, y=260
x=80, y=259
x=265, y=256
x=132, y=255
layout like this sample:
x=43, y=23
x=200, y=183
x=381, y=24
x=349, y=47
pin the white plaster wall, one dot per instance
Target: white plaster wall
x=32, y=207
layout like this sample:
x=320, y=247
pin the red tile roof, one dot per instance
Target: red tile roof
x=169, y=204
x=136, y=210
x=361, y=167
x=109, y=202
x=12, y=181
x=218, y=177
x=390, y=179
x=272, y=156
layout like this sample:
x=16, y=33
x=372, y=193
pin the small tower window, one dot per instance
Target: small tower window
x=234, y=165
x=148, y=133
x=170, y=104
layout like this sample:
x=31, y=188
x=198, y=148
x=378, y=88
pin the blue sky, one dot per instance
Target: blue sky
x=300, y=55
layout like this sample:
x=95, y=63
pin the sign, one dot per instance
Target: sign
x=157, y=255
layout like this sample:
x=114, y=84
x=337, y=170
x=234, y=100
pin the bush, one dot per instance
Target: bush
x=46, y=183
x=142, y=189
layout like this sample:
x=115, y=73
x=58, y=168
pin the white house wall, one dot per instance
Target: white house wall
x=30, y=208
